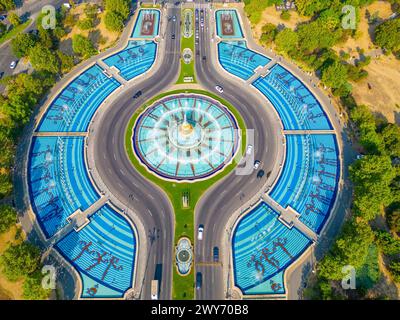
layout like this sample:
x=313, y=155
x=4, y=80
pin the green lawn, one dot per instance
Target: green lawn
x=184, y=217
x=187, y=70
x=14, y=31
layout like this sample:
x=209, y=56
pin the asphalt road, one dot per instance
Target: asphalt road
x=117, y=172
x=218, y=204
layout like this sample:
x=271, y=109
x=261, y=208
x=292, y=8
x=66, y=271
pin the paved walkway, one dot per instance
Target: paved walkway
x=60, y=134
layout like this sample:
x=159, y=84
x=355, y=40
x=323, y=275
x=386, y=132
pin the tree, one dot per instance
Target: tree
x=269, y=32
x=85, y=24
x=391, y=138
x=387, y=243
x=14, y=19
x=387, y=35
x=286, y=40
x=43, y=58
x=285, y=15
x=83, y=46
x=6, y=5
x=372, y=176
x=6, y=185
x=33, y=289
x=22, y=43
x=113, y=21
x=334, y=74
x=394, y=269
x=351, y=248
x=8, y=217
x=394, y=221
x=3, y=28
x=310, y=7
x=66, y=61
x=7, y=150
x=20, y=260
x=120, y=7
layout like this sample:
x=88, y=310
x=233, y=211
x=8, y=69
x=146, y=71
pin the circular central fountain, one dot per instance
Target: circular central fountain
x=185, y=137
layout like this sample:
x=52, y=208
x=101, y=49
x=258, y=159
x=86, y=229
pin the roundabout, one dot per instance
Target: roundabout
x=159, y=164
x=185, y=137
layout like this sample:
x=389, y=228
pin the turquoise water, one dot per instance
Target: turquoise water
x=58, y=181
x=103, y=253
x=309, y=179
x=239, y=60
x=142, y=16
x=163, y=146
x=263, y=248
x=239, y=43
x=296, y=105
x=74, y=107
x=220, y=15
x=136, y=59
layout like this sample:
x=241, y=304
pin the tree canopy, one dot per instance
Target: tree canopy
x=8, y=217
x=20, y=260
x=387, y=35
x=83, y=46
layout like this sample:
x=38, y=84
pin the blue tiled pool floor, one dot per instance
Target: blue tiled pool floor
x=263, y=247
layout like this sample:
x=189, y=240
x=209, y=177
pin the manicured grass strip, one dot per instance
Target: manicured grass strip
x=13, y=32
x=187, y=70
x=184, y=217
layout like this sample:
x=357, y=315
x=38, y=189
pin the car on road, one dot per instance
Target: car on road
x=260, y=174
x=13, y=64
x=256, y=164
x=219, y=88
x=200, y=232
x=173, y=36
x=359, y=156
x=199, y=280
x=137, y=94
x=249, y=149
x=215, y=254
x=174, y=18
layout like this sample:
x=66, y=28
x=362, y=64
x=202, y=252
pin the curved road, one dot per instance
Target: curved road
x=127, y=184
x=221, y=201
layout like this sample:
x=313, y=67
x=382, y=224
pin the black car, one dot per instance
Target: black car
x=173, y=37
x=204, y=58
x=260, y=174
x=199, y=280
x=216, y=254
x=137, y=94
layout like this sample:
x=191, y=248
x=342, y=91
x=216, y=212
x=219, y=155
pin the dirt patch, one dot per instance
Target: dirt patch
x=102, y=37
x=380, y=90
x=382, y=11
x=385, y=286
x=270, y=15
x=10, y=290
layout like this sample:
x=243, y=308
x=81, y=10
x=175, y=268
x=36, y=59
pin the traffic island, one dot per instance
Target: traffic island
x=183, y=287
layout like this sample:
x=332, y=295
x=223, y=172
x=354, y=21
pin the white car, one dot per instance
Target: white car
x=219, y=89
x=13, y=64
x=249, y=149
x=200, y=232
x=256, y=164
x=359, y=156
x=174, y=18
